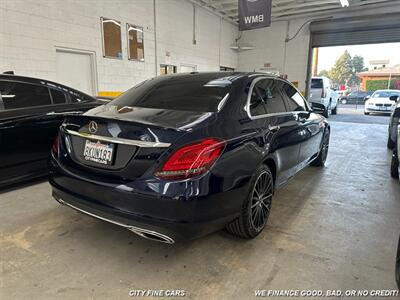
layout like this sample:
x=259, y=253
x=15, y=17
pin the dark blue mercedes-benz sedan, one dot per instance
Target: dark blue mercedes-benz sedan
x=177, y=157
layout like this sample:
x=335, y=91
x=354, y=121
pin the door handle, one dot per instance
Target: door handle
x=274, y=129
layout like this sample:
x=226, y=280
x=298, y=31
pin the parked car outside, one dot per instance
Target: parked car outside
x=355, y=97
x=323, y=93
x=180, y=156
x=31, y=111
x=380, y=102
x=394, y=123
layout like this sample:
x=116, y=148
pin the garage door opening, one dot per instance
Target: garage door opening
x=352, y=58
x=343, y=78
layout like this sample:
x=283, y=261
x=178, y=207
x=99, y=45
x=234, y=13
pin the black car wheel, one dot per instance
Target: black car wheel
x=334, y=111
x=256, y=209
x=390, y=143
x=326, y=113
x=394, y=167
x=323, y=153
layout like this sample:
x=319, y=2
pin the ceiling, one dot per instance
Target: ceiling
x=291, y=9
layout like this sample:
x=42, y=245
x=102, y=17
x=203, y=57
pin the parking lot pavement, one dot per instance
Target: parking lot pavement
x=331, y=228
x=355, y=114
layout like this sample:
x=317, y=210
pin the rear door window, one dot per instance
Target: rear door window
x=21, y=95
x=317, y=83
x=177, y=93
x=294, y=99
x=257, y=100
x=57, y=96
x=274, y=103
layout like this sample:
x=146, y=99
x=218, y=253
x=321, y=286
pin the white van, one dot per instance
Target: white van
x=322, y=92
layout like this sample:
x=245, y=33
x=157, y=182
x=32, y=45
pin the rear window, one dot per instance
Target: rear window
x=317, y=84
x=177, y=93
x=57, y=96
x=21, y=95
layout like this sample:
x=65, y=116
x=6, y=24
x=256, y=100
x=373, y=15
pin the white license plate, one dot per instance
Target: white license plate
x=98, y=152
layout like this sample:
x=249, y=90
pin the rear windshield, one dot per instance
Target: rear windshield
x=316, y=84
x=176, y=93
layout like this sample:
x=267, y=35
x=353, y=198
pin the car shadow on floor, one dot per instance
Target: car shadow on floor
x=23, y=184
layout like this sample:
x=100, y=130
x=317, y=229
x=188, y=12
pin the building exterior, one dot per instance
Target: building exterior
x=381, y=74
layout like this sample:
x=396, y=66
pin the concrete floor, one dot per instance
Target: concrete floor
x=331, y=228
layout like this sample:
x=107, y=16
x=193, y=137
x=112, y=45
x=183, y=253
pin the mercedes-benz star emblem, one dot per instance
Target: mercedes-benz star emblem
x=93, y=127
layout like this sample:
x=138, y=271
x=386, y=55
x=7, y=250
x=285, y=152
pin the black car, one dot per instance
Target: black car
x=31, y=112
x=180, y=156
x=356, y=97
x=393, y=124
x=393, y=141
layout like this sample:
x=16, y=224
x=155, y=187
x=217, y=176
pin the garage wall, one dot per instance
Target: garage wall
x=31, y=30
x=270, y=45
x=269, y=53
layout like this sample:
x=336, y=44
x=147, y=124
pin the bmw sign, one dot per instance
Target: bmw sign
x=254, y=14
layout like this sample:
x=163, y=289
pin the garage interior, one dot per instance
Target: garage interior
x=334, y=228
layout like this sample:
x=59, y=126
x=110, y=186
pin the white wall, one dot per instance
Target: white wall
x=31, y=30
x=270, y=47
x=290, y=59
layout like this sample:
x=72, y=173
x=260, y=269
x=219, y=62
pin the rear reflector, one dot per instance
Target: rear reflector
x=192, y=160
x=55, y=146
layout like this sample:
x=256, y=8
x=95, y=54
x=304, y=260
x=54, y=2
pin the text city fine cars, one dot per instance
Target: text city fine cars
x=177, y=157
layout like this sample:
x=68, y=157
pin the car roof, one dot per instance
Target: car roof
x=219, y=75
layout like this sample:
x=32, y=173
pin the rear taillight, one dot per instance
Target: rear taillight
x=56, y=144
x=192, y=160
x=323, y=93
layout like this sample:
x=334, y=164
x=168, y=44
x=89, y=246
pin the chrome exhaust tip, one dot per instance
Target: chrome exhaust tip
x=152, y=235
x=144, y=233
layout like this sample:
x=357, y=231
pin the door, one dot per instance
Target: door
x=76, y=69
x=187, y=68
x=280, y=127
x=26, y=129
x=309, y=129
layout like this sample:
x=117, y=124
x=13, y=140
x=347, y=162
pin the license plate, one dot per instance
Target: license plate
x=98, y=152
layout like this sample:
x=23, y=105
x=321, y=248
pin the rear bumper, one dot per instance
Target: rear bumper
x=170, y=219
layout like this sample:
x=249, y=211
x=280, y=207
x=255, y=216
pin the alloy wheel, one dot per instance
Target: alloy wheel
x=261, y=200
x=325, y=147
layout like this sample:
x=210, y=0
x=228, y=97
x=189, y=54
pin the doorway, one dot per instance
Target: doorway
x=76, y=68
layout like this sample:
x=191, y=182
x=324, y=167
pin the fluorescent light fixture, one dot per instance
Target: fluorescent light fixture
x=345, y=3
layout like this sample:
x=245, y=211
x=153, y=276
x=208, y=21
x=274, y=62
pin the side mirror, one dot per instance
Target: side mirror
x=394, y=98
x=318, y=108
x=367, y=97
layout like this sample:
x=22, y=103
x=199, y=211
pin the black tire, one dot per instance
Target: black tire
x=366, y=113
x=326, y=113
x=394, y=166
x=390, y=143
x=334, y=111
x=257, y=207
x=323, y=153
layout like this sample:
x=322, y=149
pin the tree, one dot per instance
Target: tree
x=358, y=66
x=325, y=73
x=345, y=70
x=342, y=70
